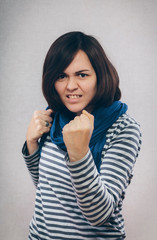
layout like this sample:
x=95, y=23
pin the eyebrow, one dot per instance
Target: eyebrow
x=84, y=70
x=78, y=72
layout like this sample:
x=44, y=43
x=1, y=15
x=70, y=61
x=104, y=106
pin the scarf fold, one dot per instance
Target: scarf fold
x=104, y=117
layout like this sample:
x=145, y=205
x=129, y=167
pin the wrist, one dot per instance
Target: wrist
x=32, y=146
x=74, y=157
x=31, y=141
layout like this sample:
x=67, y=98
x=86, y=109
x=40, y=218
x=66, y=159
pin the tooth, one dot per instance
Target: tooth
x=73, y=96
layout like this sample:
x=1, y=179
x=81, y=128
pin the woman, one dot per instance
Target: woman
x=81, y=150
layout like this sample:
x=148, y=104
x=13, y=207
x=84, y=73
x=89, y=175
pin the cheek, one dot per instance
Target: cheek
x=94, y=87
x=58, y=88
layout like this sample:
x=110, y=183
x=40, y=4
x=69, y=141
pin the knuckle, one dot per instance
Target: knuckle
x=50, y=119
x=77, y=118
x=65, y=129
x=36, y=113
x=41, y=132
x=39, y=128
x=47, y=130
x=37, y=121
x=91, y=115
x=83, y=116
x=36, y=116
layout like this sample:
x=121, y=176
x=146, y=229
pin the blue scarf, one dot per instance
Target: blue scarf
x=104, y=117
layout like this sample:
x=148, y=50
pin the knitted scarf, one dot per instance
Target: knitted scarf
x=104, y=117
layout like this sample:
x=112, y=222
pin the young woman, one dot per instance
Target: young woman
x=81, y=150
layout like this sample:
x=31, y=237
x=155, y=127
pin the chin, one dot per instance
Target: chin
x=77, y=111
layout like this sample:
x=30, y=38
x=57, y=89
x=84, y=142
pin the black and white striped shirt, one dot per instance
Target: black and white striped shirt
x=74, y=201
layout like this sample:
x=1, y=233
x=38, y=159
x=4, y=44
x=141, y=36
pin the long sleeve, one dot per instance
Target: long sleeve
x=98, y=195
x=32, y=163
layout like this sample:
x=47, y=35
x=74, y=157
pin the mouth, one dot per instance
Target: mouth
x=73, y=96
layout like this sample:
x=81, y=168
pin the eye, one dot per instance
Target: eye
x=82, y=75
x=62, y=76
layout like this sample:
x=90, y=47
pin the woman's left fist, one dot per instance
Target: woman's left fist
x=77, y=134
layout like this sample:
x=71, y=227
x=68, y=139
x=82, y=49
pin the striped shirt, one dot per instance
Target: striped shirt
x=74, y=201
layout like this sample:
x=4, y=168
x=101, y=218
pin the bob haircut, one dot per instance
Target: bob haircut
x=61, y=54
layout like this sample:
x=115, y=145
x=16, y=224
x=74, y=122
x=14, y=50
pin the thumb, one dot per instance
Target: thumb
x=90, y=117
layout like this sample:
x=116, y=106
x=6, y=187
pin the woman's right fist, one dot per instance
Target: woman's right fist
x=39, y=124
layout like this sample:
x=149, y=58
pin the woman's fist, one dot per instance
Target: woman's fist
x=77, y=135
x=40, y=124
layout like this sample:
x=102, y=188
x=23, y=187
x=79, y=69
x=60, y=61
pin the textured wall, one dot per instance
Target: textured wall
x=127, y=31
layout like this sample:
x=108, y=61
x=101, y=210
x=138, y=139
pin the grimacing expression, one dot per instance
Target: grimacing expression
x=77, y=85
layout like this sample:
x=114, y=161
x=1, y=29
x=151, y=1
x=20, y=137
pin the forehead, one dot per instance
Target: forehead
x=80, y=62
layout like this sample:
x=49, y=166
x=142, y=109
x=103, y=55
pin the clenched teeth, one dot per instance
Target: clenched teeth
x=74, y=96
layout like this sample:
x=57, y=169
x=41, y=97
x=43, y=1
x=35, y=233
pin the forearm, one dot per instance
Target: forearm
x=31, y=146
x=93, y=198
x=32, y=163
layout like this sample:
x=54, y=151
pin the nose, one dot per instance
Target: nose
x=72, y=84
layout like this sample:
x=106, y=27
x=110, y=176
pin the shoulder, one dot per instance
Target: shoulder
x=126, y=126
x=123, y=122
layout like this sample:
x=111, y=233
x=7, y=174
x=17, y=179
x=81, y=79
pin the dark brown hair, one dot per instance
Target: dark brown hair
x=61, y=54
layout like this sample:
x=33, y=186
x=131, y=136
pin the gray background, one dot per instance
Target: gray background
x=127, y=31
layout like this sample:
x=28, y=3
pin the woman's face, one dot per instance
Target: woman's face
x=77, y=85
